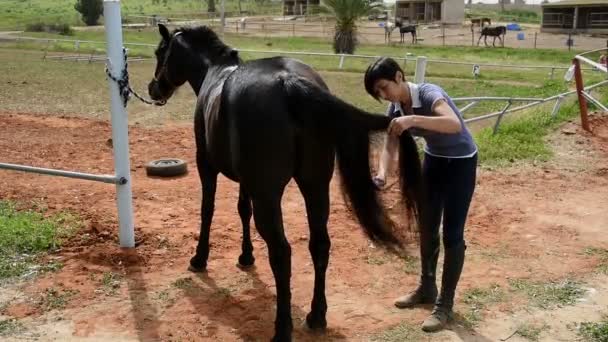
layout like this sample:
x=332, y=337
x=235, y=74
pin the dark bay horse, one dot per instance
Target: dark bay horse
x=262, y=123
x=403, y=29
x=493, y=31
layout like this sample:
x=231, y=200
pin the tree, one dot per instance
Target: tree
x=90, y=10
x=347, y=12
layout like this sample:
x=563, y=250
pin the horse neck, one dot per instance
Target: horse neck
x=206, y=69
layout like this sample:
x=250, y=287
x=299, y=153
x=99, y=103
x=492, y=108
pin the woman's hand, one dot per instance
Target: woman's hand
x=400, y=124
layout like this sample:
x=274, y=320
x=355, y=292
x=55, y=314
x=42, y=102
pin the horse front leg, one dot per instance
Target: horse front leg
x=208, y=177
x=246, y=258
x=479, y=40
x=494, y=42
x=485, y=41
x=413, y=38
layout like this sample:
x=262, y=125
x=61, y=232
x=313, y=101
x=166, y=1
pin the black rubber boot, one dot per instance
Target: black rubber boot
x=426, y=292
x=452, y=268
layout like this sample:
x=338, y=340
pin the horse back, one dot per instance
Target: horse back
x=254, y=136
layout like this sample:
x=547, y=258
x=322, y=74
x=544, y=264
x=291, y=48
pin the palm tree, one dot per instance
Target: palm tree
x=347, y=12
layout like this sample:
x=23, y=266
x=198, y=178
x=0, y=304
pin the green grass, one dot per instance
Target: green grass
x=551, y=294
x=508, y=15
x=110, y=283
x=26, y=235
x=594, y=331
x=16, y=14
x=10, y=327
x=602, y=255
x=531, y=331
x=53, y=299
x=477, y=300
x=399, y=333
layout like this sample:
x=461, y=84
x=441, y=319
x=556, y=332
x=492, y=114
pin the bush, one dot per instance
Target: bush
x=63, y=29
x=91, y=10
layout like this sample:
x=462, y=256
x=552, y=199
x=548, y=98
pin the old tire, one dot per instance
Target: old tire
x=167, y=167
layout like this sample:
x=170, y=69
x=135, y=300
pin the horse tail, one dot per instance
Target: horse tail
x=316, y=109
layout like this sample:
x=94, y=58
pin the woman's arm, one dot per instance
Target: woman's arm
x=444, y=120
x=388, y=156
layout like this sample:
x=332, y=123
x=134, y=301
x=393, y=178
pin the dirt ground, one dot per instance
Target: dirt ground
x=526, y=222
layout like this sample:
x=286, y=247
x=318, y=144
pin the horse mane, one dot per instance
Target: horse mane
x=202, y=37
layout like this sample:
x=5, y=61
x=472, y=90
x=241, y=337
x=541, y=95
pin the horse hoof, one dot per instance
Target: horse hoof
x=315, y=325
x=197, y=269
x=245, y=262
x=245, y=267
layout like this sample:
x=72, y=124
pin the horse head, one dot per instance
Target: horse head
x=185, y=55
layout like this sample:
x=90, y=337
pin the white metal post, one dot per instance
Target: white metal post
x=222, y=16
x=420, y=69
x=120, y=128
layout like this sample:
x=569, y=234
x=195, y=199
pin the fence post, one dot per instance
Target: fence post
x=535, y=33
x=556, y=106
x=552, y=73
x=120, y=124
x=578, y=77
x=499, y=119
x=443, y=32
x=420, y=69
x=472, y=35
x=293, y=29
x=341, y=61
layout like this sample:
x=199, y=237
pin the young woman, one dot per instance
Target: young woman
x=449, y=171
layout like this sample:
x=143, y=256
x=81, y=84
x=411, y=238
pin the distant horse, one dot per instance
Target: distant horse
x=403, y=29
x=262, y=123
x=493, y=31
x=389, y=27
x=480, y=21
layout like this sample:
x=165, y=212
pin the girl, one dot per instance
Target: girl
x=449, y=171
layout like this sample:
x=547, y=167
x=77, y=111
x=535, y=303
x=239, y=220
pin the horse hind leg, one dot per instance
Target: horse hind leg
x=317, y=209
x=269, y=223
x=246, y=258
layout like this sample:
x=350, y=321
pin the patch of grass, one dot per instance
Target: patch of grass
x=25, y=235
x=411, y=264
x=374, y=259
x=400, y=333
x=594, y=331
x=162, y=295
x=551, y=294
x=530, y=331
x=522, y=138
x=477, y=299
x=110, y=283
x=10, y=327
x=602, y=255
x=224, y=292
x=53, y=299
x=184, y=283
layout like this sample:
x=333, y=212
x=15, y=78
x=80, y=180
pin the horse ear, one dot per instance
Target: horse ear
x=164, y=32
x=234, y=53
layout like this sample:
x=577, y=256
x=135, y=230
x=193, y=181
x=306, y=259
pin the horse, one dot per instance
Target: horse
x=389, y=27
x=493, y=31
x=262, y=123
x=403, y=29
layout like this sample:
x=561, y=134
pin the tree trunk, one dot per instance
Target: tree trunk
x=211, y=6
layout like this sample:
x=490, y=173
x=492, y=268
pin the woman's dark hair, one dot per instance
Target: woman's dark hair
x=384, y=68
